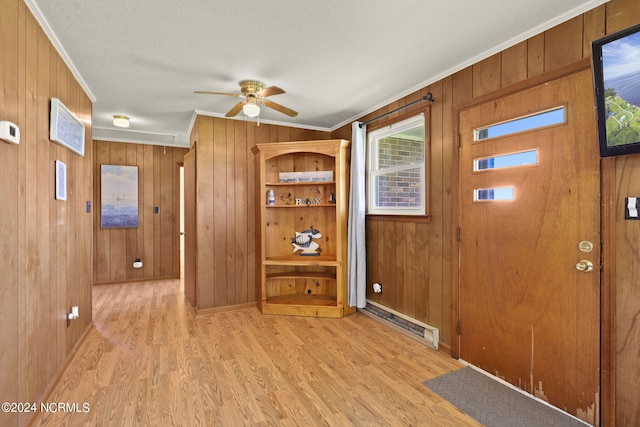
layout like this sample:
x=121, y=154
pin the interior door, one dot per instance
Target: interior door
x=529, y=251
x=190, y=227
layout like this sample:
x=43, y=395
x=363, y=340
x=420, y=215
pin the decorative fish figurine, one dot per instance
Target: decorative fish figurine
x=303, y=241
x=309, y=248
x=306, y=235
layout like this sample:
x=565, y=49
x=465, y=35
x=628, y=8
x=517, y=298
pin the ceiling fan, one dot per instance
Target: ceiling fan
x=254, y=94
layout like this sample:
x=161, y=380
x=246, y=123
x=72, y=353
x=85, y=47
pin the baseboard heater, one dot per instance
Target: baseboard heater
x=428, y=332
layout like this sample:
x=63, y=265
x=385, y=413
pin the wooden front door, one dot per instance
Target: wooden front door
x=528, y=217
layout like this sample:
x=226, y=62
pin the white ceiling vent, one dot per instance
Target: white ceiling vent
x=118, y=135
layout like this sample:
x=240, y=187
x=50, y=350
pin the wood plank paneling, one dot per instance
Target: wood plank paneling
x=627, y=261
x=559, y=46
x=101, y=241
x=240, y=223
x=220, y=195
x=168, y=213
x=563, y=44
x=190, y=221
x=44, y=240
x=448, y=183
x=146, y=175
x=9, y=291
x=408, y=267
x=25, y=80
x=225, y=206
x=624, y=408
x=487, y=75
x=31, y=149
x=46, y=218
x=593, y=29
x=434, y=310
x=132, y=234
x=621, y=14
x=156, y=231
x=230, y=204
x=205, y=281
x=514, y=64
x=252, y=229
x=535, y=55
x=154, y=240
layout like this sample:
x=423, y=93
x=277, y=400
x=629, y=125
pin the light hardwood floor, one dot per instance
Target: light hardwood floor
x=149, y=362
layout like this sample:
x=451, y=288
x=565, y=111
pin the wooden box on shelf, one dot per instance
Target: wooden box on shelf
x=302, y=186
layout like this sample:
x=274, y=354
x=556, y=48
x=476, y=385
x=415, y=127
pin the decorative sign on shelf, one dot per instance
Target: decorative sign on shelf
x=304, y=242
x=313, y=201
x=65, y=128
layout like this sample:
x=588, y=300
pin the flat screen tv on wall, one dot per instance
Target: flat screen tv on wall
x=616, y=75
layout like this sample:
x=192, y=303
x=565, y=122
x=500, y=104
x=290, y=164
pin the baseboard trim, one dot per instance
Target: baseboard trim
x=214, y=310
x=137, y=280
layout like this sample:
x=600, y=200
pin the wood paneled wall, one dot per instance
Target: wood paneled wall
x=225, y=206
x=155, y=240
x=413, y=259
x=45, y=246
x=621, y=14
x=627, y=295
x=421, y=287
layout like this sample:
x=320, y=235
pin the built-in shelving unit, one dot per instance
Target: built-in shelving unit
x=289, y=282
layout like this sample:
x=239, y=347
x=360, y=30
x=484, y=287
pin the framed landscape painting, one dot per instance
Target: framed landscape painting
x=119, y=196
x=616, y=72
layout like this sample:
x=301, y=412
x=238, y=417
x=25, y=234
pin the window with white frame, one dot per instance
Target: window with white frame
x=396, y=169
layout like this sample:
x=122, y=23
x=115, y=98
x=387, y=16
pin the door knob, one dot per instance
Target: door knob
x=584, y=265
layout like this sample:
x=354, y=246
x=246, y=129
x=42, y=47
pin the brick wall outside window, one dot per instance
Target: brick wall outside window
x=399, y=189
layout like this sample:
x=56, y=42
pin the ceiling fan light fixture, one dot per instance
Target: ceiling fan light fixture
x=121, y=121
x=254, y=94
x=251, y=109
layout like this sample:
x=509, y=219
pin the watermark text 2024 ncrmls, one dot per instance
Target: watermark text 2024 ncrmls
x=24, y=407
x=64, y=407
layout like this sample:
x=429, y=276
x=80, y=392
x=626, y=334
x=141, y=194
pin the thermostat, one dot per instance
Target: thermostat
x=9, y=132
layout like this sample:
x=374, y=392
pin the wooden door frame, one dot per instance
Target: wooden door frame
x=607, y=229
x=177, y=200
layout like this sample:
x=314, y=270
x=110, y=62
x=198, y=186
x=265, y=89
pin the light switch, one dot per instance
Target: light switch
x=631, y=208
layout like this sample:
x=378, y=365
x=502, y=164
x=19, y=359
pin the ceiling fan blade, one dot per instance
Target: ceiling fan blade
x=235, y=110
x=284, y=110
x=268, y=91
x=218, y=93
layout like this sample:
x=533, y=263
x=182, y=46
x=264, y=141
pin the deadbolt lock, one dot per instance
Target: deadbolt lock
x=584, y=265
x=585, y=246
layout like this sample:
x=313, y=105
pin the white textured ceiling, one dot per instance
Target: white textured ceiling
x=336, y=59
